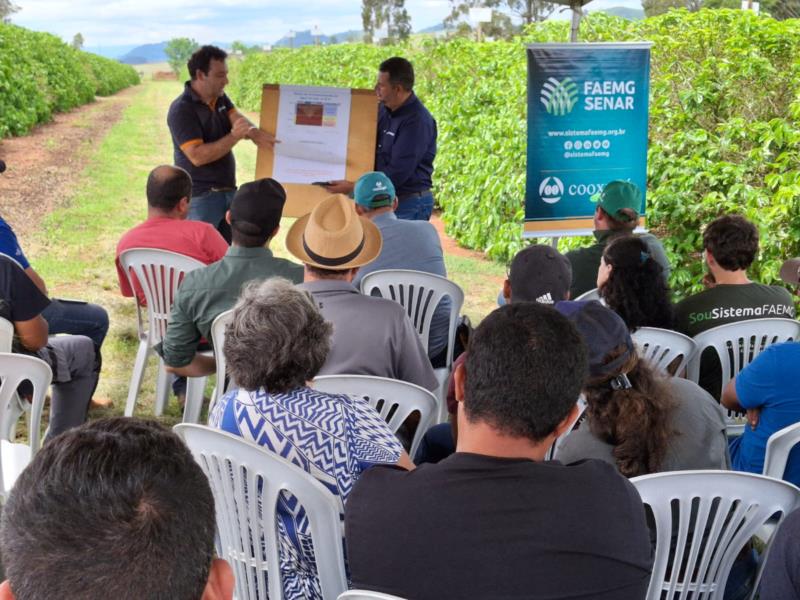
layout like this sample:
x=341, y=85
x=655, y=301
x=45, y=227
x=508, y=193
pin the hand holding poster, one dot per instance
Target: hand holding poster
x=587, y=125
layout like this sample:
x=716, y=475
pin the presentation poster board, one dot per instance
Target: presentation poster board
x=325, y=133
x=587, y=125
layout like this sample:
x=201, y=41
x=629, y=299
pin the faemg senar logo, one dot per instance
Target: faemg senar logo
x=551, y=189
x=559, y=97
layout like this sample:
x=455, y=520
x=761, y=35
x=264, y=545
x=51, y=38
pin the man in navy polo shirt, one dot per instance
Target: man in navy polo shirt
x=205, y=126
x=406, y=143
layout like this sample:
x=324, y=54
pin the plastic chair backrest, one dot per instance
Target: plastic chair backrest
x=393, y=399
x=233, y=467
x=6, y=335
x=660, y=347
x=418, y=293
x=218, y=340
x=14, y=369
x=703, y=519
x=737, y=345
x=367, y=595
x=779, y=446
x=592, y=294
x=552, y=453
x=159, y=273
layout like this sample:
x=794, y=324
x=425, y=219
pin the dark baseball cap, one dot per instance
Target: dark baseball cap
x=257, y=207
x=603, y=330
x=541, y=274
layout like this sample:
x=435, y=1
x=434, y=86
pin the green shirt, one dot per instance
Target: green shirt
x=207, y=292
x=586, y=261
x=723, y=304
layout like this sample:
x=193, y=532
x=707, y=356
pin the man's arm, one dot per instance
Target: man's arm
x=200, y=366
x=258, y=136
x=729, y=398
x=32, y=333
x=202, y=153
x=37, y=280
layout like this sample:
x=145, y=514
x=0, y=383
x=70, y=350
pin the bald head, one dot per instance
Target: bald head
x=166, y=187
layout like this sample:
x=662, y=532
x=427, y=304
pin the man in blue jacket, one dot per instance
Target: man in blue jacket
x=406, y=145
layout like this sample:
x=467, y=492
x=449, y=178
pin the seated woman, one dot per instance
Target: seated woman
x=275, y=344
x=635, y=419
x=632, y=284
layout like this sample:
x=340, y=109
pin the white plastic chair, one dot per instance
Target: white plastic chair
x=703, y=519
x=14, y=369
x=12, y=412
x=194, y=400
x=592, y=294
x=6, y=335
x=552, y=453
x=737, y=345
x=159, y=274
x=660, y=347
x=367, y=595
x=246, y=518
x=394, y=400
x=779, y=446
x=419, y=293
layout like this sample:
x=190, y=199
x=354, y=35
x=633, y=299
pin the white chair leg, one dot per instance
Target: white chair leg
x=195, y=386
x=162, y=389
x=136, y=378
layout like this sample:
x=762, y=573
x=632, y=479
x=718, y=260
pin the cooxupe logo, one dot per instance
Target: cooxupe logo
x=559, y=97
x=551, y=189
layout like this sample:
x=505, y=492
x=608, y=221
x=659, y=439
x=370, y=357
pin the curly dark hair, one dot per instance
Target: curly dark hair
x=732, y=240
x=635, y=288
x=636, y=420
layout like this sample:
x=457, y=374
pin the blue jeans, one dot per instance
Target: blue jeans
x=77, y=318
x=416, y=208
x=211, y=208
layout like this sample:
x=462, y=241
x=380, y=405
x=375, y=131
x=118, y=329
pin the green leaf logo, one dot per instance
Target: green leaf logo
x=559, y=97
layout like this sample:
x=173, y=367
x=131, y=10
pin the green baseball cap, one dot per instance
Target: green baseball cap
x=374, y=190
x=618, y=195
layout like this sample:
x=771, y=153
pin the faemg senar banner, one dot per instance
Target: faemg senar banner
x=587, y=125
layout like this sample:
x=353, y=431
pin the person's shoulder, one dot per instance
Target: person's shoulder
x=286, y=268
x=379, y=482
x=693, y=299
x=774, y=290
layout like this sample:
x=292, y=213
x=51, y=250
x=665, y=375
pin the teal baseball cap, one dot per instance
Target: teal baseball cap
x=374, y=190
x=617, y=196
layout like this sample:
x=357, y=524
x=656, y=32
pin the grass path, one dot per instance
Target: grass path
x=74, y=247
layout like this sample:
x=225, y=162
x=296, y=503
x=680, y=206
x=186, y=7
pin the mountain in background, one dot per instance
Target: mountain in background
x=110, y=51
x=148, y=53
x=633, y=14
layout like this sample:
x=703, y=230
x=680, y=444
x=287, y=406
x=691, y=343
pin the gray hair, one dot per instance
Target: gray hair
x=277, y=338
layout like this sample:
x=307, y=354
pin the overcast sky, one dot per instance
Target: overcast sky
x=104, y=22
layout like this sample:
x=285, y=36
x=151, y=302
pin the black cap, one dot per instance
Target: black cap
x=541, y=274
x=257, y=207
x=603, y=330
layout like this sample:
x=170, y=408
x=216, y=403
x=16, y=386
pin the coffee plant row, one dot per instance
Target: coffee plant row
x=41, y=75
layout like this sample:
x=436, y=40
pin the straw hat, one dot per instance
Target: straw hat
x=333, y=236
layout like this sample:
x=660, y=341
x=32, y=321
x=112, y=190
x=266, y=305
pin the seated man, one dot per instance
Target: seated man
x=71, y=357
x=617, y=213
x=406, y=245
x=538, y=273
x=730, y=245
x=512, y=526
x=118, y=509
x=767, y=389
x=169, y=191
x=371, y=336
x=254, y=217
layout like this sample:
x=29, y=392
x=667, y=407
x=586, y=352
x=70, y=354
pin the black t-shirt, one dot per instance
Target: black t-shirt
x=782, y=571
x=192, y=121
x=475, y=526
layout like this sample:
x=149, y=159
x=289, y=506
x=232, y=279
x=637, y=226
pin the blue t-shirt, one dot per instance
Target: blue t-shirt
x=10, y=246
x=769, y=383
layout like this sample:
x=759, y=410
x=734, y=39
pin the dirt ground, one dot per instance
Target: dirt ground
x=43, y=166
